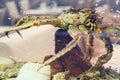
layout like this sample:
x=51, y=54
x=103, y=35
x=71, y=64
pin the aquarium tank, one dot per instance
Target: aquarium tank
x=59, y=39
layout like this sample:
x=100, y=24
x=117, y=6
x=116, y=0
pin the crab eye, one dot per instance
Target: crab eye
x=90, y=26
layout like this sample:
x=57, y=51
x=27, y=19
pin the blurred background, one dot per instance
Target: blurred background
x=12, y=10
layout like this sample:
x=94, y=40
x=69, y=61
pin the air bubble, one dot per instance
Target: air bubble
x=9, y=18
x=115, y=16
x=15, y=57
x=96, y=4
x=118, y=11
x=117, y=2
x=111, y=9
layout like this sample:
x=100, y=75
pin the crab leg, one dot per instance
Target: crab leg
x=73, y=31
x=106, y=57
x=33, y=21
x=89, y=47
x=68, y=47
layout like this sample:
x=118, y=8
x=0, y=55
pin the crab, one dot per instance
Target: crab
x=84, y=21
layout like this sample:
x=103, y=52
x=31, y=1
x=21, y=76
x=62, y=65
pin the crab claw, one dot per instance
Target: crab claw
x=19, y=33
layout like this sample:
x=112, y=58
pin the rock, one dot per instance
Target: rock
x=4, y=60
x=29, y=72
